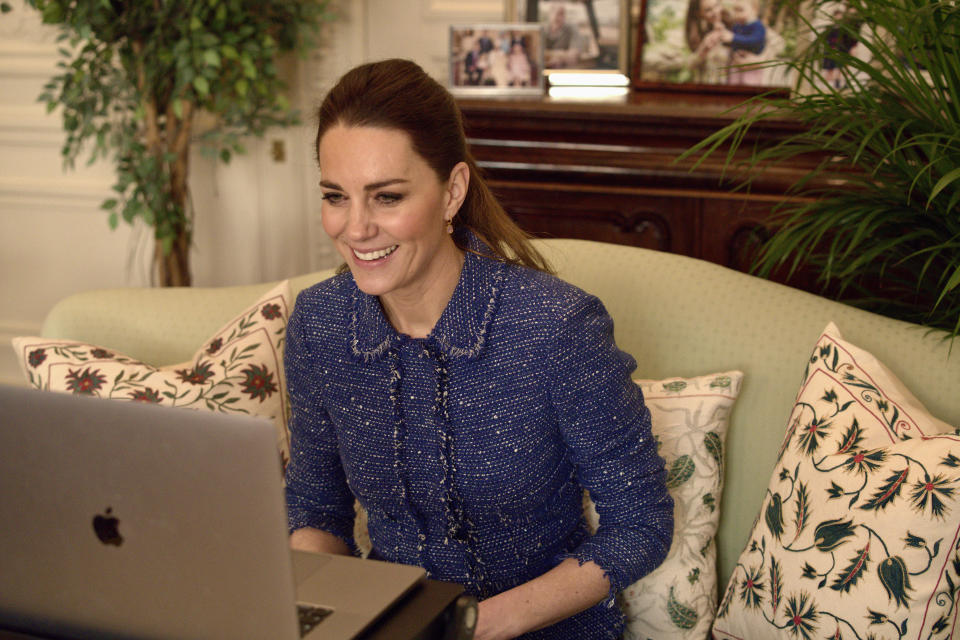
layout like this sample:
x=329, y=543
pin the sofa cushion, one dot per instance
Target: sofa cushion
x=239, y=369
x=857, y=534
x=689, y=417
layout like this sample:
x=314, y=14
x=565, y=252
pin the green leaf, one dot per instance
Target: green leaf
x=943, y=182
x=108, y=204
x=211, y=58
x=950, y=286
x=202, y=86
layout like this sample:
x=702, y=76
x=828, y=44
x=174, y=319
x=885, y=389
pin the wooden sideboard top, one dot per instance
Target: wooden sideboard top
x=630, y=141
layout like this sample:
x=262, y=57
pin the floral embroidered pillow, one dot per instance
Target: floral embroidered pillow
x=690, y=418
x=238, y=370
x=858, y=534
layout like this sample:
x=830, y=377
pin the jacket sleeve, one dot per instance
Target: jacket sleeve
x=317, y=491
x=606, y=428
x=752, y=37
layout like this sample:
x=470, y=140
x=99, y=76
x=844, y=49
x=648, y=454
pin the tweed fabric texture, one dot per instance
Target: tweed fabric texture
x=469, y=448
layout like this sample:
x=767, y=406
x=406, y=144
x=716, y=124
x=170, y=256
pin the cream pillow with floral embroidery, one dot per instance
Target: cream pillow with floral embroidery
x=238, y=370
x=858, y=534
x=689, y=417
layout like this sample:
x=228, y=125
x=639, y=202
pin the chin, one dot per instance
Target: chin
x=370, y=286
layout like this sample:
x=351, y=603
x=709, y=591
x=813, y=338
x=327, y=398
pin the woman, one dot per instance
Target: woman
x=462, y=394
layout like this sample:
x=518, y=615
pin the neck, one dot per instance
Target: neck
x=416, y=312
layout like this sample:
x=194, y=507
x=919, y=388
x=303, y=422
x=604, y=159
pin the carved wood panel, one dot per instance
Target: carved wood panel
x=636, y=219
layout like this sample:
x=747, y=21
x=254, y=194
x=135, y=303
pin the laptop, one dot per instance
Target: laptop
x=119, y=519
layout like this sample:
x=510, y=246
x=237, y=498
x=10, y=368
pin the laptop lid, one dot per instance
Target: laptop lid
x=148, y=521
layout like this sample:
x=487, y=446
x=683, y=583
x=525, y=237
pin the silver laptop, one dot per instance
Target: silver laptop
x=124, y=520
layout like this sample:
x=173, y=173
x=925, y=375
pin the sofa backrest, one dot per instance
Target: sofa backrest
x=679, y=316
x=676, y=315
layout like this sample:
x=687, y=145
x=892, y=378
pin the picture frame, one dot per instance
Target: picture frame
x=579, y=35
x=680, y=46
x=504, y=59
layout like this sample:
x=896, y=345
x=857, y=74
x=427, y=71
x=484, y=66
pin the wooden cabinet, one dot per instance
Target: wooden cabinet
x=608, y=171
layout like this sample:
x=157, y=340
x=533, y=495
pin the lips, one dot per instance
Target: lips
x=369, y=256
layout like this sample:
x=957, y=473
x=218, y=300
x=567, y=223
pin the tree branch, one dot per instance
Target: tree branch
x=148, y=101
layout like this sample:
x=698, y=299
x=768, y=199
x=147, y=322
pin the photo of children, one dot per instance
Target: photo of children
x=496, y=59
x=841, y=35
x=718, y=42
x=578, y=34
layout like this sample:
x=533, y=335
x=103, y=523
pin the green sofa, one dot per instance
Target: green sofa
x=676, y=315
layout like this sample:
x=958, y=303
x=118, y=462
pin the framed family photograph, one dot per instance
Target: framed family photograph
x=496, y=59
x=719, y=45
x=579, y=35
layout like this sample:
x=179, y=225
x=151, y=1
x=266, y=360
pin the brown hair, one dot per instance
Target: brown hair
x=398, y=94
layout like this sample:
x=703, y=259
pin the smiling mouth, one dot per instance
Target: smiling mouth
x=374, y=255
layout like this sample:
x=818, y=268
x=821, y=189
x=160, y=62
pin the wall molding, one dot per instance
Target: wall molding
x=30, y=126
x=82, y=196
x=459, y=10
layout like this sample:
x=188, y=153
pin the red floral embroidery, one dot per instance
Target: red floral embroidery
x=270, y=311
x=36, y=357
x=147, y=395
x=198, y=375
x=86, y=382
x=258, y=383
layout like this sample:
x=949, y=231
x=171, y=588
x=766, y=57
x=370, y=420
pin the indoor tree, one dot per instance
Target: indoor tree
x=135, y=75
x=879, y=220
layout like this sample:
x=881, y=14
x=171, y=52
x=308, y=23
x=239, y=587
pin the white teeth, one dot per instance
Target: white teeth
x=374, y=255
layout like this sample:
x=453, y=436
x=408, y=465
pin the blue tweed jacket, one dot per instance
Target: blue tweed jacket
x=469, y=449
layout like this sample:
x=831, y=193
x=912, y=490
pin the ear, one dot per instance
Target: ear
x=456, y=186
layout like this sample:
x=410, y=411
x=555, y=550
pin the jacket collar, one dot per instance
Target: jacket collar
x=462, y=328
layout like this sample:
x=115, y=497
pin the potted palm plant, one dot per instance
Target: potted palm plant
x=135, y=75
x=877, y=100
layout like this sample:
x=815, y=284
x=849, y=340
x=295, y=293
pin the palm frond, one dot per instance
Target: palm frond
x=876, y=217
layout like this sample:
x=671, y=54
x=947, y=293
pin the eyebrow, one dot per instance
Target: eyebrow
x=373, y=186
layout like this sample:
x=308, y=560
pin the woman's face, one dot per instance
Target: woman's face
x=385, y=210
x=710, y=11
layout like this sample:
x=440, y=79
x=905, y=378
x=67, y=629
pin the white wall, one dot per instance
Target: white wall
x=256, y=219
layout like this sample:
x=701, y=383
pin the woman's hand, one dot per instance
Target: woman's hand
x=317, y=541
x=493, y=620
x=565, y=590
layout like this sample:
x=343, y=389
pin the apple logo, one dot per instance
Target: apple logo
x=107, y=528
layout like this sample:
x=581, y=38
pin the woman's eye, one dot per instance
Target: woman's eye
x=333, y=197
x=389, y=198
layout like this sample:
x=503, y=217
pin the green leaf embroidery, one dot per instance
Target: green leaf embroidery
x=683, y=616
x=887, y=492
x=854, y=570
x=680, y=471
x=774, y=516
x=714, y=446
x=776, y=583
x=802, y=510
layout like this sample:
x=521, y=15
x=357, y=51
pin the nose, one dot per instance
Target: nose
x=360, y=224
